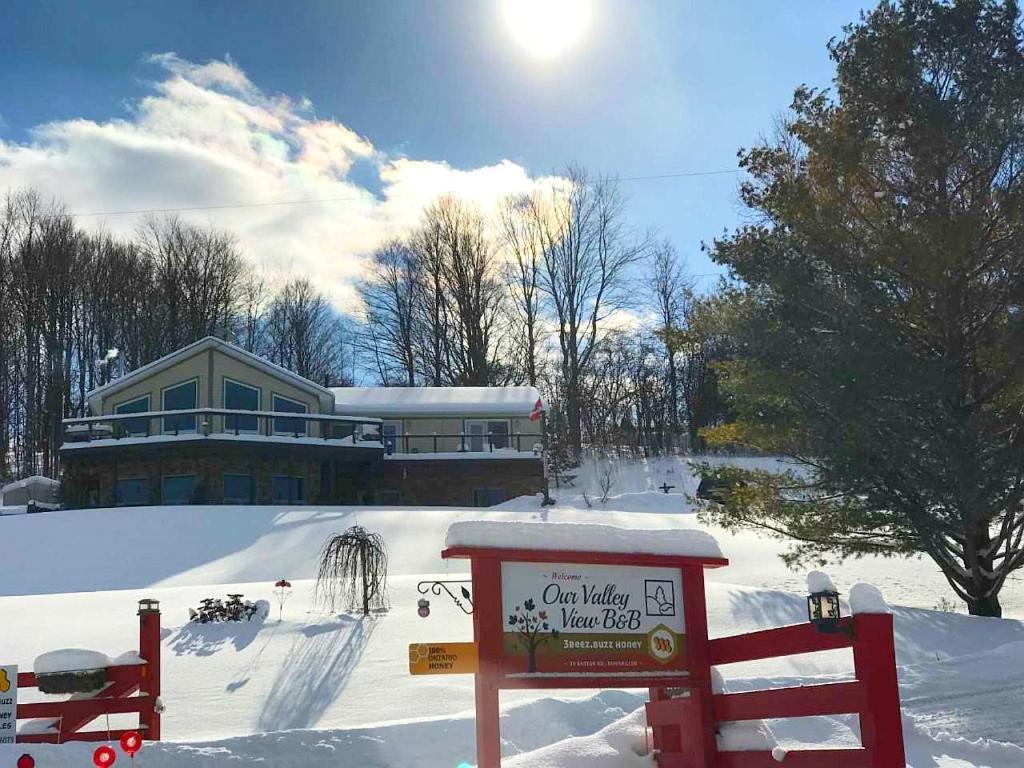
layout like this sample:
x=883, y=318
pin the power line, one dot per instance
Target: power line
x=361, y=198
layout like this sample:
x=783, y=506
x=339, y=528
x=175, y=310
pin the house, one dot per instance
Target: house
x=212, y=423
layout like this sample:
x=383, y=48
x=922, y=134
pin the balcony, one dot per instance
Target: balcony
x=213, y=424
x=462, y=444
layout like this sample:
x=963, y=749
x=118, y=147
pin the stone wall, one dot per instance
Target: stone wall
x=91, y=479
x=452, y=482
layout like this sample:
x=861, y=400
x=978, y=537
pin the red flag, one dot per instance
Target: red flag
x=538, y=409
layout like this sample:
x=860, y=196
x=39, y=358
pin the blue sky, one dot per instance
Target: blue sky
x=650, y=88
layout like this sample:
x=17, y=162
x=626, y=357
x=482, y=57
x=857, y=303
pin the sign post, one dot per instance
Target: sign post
x=8, y=704
x=570, y=620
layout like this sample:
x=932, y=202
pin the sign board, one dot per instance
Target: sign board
x=592, y=619
x=443, y=659
x=8, y=704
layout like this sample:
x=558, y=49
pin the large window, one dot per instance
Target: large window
x=133, y=427
x=239, y=489
x=132, y=491
x=240, y=397
x=181, y=397
x=484, y=435
x=288, y=490
x=488, y=497
x=179, y=489
x=284, y=426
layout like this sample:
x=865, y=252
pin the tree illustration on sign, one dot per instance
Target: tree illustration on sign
x=532, y=630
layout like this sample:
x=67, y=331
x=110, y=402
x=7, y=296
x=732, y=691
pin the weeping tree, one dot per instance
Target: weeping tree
x=353, y=571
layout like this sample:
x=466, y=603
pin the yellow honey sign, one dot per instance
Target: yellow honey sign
x=443, y=659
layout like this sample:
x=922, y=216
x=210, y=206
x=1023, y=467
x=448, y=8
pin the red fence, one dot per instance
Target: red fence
x=132, y=688
x=873, y=696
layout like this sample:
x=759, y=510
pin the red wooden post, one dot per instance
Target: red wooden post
x=149, y=649
x=874, y=658
x=699, y=732
x=487, y=632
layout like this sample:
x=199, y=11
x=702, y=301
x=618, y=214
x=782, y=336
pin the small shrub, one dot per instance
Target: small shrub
x=214, y=610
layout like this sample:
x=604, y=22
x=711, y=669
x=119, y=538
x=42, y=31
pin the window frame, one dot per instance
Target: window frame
x=489, y=489
x=289, y=500
x=396, y=439
x=234, y=499
x=225, y=380
x=117, y=495
x=163, y=496
x=163, y=407
x=117, y=412
x=486, y=436
x=274, y=396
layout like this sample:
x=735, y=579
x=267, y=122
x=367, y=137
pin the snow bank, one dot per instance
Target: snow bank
x=867, y=598
x=819, y=581
x=747, y=736
x=581, y=537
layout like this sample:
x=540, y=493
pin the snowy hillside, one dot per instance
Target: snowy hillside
x=317, y=685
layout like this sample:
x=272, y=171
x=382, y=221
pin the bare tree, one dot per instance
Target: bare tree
x=523, y=241
x=391, y=293
x=587, y=253
x=671, y=297
x=304, y=334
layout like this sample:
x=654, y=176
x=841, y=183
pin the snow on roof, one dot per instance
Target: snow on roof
x=435, y=401
x=582, y=537
x=25, y=482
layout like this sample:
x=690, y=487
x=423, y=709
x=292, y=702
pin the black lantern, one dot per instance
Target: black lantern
x=823, y=611
x=423, y=607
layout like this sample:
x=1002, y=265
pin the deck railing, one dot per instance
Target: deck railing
x=461, y=442
x=203, y=422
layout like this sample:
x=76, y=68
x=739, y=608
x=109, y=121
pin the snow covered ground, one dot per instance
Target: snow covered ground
x=316, y=686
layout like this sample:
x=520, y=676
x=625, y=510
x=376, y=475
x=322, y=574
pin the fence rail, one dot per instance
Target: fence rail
x=129, y=688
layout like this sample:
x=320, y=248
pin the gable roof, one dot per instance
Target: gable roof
x=435, y=401
x=94, y=396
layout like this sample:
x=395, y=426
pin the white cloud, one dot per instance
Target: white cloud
x=207, y=136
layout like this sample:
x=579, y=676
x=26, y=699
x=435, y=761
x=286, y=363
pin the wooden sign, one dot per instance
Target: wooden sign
x=592, y=620
x=443, y=659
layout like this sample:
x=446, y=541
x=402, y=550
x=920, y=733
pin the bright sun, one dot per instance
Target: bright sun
x=545, y=28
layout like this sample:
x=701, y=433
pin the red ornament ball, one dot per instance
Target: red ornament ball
x=26, y=761
x=131, y=742
x=104, y=756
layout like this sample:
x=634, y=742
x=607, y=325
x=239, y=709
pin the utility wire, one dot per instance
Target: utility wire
x=361, y=198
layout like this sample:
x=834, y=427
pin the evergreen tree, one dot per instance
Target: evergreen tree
x=880, y=326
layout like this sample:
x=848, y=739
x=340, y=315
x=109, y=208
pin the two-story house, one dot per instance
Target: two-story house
x=212, y=423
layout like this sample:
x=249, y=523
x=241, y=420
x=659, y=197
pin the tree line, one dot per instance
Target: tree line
x=533, y=293
x=69, y=297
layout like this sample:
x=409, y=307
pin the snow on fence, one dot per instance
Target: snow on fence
x=129, y=684
x=873, y=696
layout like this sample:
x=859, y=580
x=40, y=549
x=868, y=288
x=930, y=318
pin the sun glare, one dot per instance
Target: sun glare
x=545, y=28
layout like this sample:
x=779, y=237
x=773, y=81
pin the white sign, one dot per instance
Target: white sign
x=8, y=704
x=599, y=619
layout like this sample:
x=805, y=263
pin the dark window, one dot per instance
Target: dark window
x=181, y=397
x=498, y=431
x=488, y=497
x=389, y=433
x=389, y=498
x=239, y=489
x=240, y=397
x=179, y=489
x=133, y=491
x=288, y=490
x=133, y=427
x=289, y=426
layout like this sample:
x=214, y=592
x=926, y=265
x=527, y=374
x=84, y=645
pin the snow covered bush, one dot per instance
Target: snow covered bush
x=213, y=610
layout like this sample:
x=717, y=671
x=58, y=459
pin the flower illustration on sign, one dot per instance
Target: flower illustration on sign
x=532, y=630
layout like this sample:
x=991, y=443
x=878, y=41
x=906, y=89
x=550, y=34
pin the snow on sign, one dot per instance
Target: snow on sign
x=8, y=704
x=592, y=619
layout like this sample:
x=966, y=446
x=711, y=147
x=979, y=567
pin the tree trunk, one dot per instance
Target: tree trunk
x=985, y=606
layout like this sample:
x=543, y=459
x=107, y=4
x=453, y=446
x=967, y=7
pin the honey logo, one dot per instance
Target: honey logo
x=5, y=682
x=663, y=644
